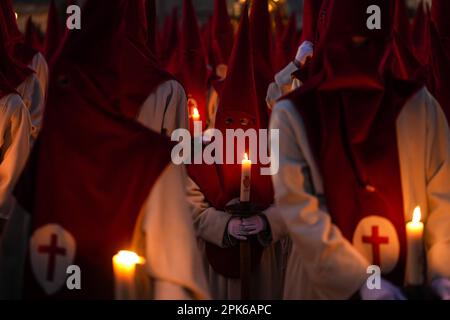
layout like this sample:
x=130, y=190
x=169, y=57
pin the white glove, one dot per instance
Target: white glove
x=253, y=225
x=305, y=51
x=387, y=291
x=235, y=229
x=442, y=287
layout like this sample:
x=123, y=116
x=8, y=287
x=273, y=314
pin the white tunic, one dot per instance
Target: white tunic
x=15, y=129
x=324, y=265
x=34, y=90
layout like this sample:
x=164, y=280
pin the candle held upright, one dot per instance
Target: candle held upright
x=415, y=256
x=246, y=179
x=124, y=266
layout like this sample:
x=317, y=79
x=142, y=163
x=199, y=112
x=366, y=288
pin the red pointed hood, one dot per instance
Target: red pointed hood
x=170, y=42
x=402, y=26
x=286, y=48
x=141, y=72
x=238, y=101
x=223, y=34
x=311, y=18
x=440, y=10
x=440, y=64
x=150, y=10
x=84, y=140
x=12, y=70
x=420, y=34
x=14, y=39
x=192, y=61
x=54, y=33
x=260, y=30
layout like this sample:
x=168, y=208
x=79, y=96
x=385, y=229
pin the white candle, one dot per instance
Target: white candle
x=246, y=179
x=124, y=265
x=414, y=261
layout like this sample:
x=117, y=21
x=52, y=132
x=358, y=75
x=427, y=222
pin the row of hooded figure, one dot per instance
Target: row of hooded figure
x=362, y=144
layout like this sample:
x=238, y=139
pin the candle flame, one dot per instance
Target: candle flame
x=417, y=215
x=128, y=258
x=246, y=156
x=195, y=113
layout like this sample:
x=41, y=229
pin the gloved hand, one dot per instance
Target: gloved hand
x=388, y=291
x=253, y=225
x=442, y=287
x=305, y=51
x=235, y=229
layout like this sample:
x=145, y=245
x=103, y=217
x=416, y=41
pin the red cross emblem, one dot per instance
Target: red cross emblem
x=376, y=241
x=53, y=251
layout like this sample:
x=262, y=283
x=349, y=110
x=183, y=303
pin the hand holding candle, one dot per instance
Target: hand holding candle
x=415, y=263
x=246, y=179
x=124, y=265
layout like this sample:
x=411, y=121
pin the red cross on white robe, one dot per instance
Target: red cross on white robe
x=53, y=251
x=376, y=241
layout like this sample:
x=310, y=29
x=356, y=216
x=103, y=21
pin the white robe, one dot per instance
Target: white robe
x=34, y=90
x=323, y=264
x=15, y=128
x=211, y=224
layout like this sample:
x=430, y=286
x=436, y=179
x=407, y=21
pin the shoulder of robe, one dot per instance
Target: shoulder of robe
x=422, y=104
x=38, y=62
x=12, y=102
x=173, y=85
x=285, y=110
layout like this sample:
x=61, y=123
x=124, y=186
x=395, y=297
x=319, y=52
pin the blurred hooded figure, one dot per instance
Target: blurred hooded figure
x=360, y=150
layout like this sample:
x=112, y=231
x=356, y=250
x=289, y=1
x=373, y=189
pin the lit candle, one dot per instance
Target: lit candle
x=196, y=125
x=246, y=179
x=414, y=262
x=124, y=265
x=195, y=114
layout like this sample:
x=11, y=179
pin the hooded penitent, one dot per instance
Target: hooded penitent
x=287, y=45
x=238, y=109
x=192, y=70
x=350, y=111
x=81, y=213
x=33, y=36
